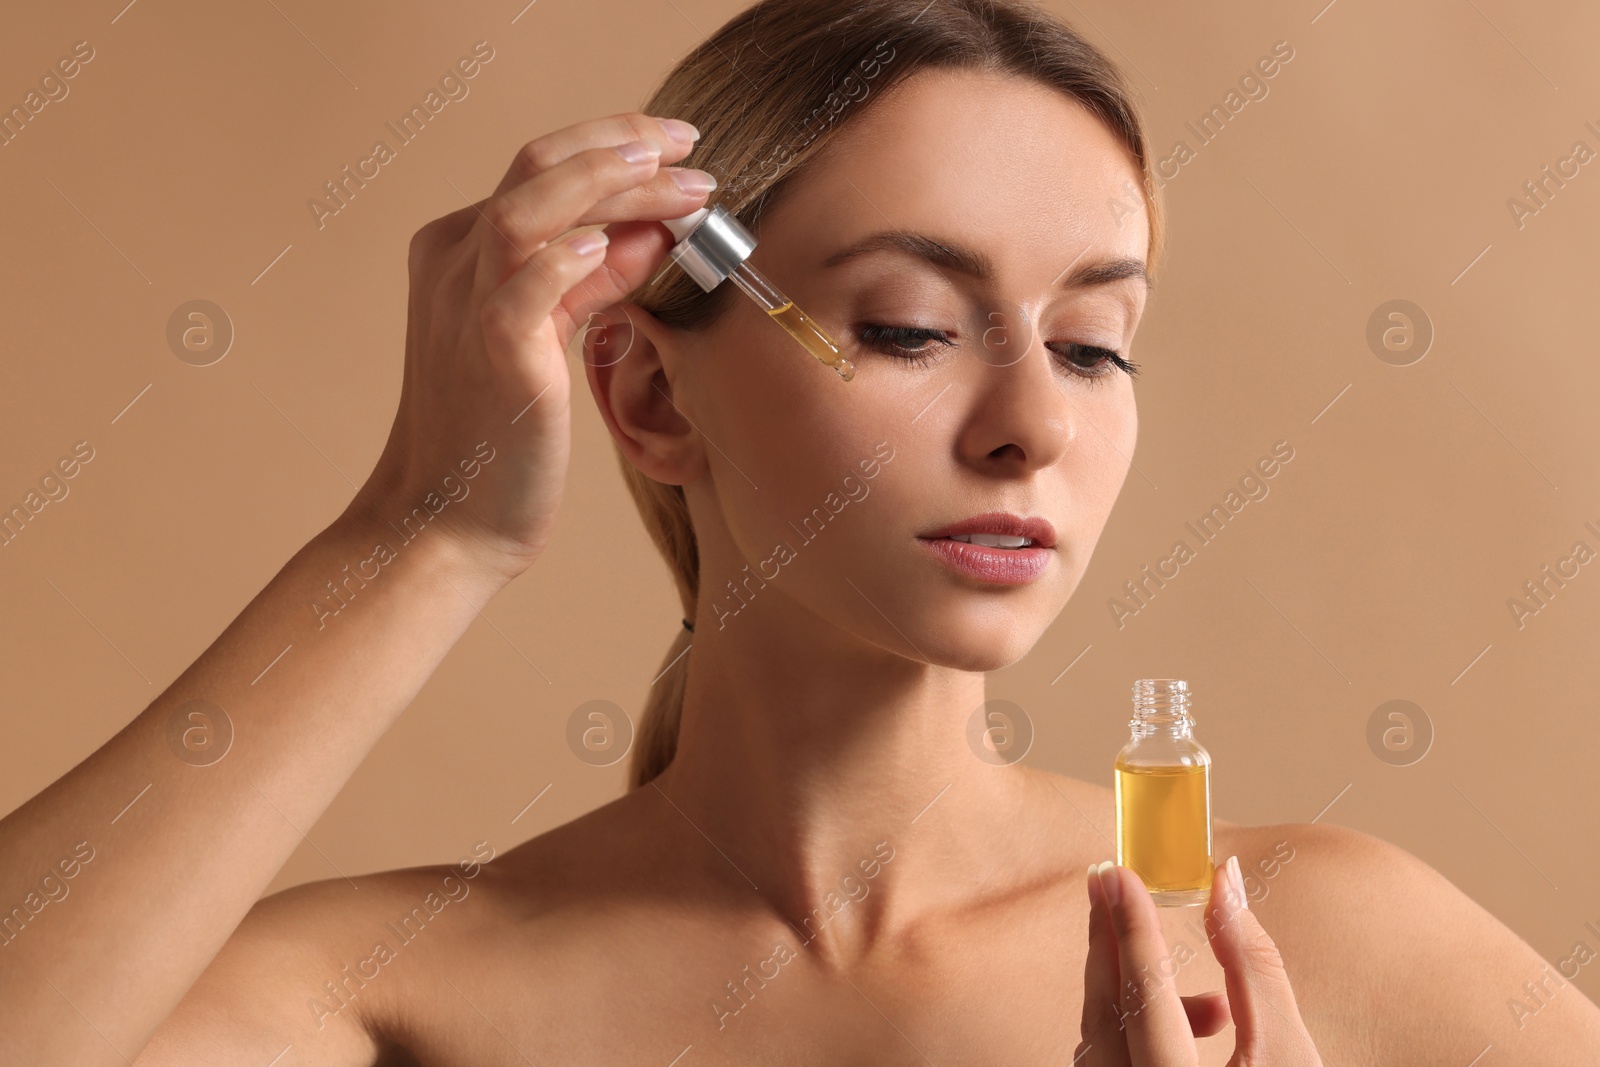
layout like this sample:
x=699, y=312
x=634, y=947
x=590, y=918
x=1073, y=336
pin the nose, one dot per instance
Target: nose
x=1020, y=416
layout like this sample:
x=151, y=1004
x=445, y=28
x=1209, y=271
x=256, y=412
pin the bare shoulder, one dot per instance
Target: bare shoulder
x=305, y=968
x=1368, y=931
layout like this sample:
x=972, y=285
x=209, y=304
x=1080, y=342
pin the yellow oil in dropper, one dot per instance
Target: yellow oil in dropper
x=713, y=246
x=801, y=327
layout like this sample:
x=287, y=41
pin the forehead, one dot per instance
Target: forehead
x=1006, y=164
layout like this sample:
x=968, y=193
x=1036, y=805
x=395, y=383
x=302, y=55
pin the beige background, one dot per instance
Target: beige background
x=1419, y=499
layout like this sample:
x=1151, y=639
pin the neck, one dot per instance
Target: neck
x=835, y=777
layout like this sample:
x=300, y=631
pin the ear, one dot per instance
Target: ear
x=633, y=360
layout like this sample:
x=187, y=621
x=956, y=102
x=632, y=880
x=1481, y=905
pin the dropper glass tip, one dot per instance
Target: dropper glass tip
x=786, y=313
x=803, y=328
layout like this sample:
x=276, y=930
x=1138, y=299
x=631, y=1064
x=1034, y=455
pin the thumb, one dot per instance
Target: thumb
x=1268, y=1027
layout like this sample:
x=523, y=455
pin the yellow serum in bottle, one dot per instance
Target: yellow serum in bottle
x=1163, y=791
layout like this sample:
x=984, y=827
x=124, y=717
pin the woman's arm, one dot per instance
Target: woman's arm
x=121, y=881
x=168, y=850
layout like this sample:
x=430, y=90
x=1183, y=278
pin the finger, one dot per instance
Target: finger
x=556, y=187
x=635, y=251
x=677, y=190
x=447, y=230
x=1260, y=998
x=675, y=137
x=519, y=224
x=515, y=313
x=1152, y=1015
x=1208, y=1013
x=1102, y=1042
x=671, y=194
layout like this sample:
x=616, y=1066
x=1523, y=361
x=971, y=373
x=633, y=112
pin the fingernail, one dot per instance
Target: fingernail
x=1238, y=881
x=1091, y=879
x=638, y=151
x=1110, y=882
x=694, y=182
x=679, y=130
x=588, y=243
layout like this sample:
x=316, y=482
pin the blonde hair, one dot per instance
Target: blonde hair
x=767, y=91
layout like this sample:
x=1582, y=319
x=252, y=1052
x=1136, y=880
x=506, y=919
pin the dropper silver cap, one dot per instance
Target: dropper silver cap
x=711, y=245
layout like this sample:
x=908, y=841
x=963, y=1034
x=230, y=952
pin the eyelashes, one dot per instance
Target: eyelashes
x=909, y=343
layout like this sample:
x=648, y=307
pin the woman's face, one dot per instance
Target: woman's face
x=826, y=489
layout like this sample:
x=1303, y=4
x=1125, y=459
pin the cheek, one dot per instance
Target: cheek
x=1100, y=462
x=1117, y=420
x=816, y=457
x=783, y=432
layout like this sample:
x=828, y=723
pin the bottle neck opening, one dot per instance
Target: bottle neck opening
x=1161, y=703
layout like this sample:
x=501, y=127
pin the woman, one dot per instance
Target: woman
x=813, y=866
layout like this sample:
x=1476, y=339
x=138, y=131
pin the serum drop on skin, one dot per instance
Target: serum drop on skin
x=713, y=246
x=1163, y=785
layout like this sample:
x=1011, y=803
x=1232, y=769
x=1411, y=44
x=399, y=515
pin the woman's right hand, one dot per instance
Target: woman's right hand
x=1132, y=1013
x=482, y=436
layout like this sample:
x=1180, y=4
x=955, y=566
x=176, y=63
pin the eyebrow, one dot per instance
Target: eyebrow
x=975, y=264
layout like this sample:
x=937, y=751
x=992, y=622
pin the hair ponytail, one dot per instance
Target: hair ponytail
x=666, y=519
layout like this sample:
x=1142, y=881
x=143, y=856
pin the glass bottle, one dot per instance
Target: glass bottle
x=1163, y=787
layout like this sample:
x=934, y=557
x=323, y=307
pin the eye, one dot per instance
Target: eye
x=1103, y=361
x=902, y=342
x=912, y=344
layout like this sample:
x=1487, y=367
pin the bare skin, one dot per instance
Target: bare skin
x=824, y=726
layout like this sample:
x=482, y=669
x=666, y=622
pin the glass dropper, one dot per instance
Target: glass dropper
x=712, y=246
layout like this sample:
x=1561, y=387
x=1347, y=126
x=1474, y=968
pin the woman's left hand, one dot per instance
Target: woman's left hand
x=1132, y=1013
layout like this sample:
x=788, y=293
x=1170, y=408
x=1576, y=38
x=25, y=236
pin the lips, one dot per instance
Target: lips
x=999, y=524
x=996, y=547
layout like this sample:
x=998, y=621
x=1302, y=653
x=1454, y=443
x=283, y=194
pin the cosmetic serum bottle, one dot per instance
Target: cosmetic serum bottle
x=712, y=246
x=1163, y=787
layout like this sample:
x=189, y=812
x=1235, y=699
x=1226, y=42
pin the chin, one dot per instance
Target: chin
x=983, y=638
